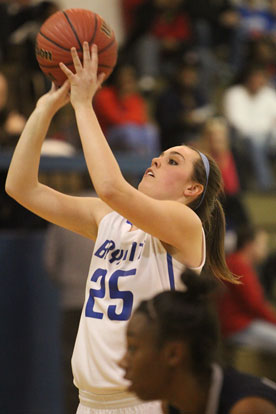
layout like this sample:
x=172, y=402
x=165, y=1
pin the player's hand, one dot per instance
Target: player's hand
x=86, y=81
x=55, y=99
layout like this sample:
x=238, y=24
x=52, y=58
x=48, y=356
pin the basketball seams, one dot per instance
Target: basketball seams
x=53, y=42
x=55, y=66
x=95, y=29
x=101, y=65
x=107, y=46
x=73, y=29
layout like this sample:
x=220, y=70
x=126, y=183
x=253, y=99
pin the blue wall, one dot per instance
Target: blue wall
x=29, y=324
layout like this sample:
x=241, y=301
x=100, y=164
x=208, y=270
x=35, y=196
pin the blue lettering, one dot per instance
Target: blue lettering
x=126, y=296
x=141, y=245
x=132, y=252
x=96, y=293
x=105, y=248
x=116, y=255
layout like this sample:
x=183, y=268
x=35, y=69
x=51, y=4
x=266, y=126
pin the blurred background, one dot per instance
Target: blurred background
x=197, y=72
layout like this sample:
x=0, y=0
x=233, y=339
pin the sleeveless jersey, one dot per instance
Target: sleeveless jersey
x=126, y=267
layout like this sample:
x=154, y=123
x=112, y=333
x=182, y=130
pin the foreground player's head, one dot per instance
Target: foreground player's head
x=188, y=176
x=171, y=339
x=181, y=173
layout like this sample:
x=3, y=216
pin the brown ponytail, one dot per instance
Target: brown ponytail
x=212, y=216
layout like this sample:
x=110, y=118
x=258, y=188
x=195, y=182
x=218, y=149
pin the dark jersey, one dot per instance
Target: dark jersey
x=236, y=386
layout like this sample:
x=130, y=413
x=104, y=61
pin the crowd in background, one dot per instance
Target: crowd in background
x=181, y=64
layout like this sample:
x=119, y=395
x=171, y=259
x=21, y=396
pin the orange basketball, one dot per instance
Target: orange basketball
x=67, y=28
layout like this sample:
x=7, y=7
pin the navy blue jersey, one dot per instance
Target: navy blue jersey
x=236, y=386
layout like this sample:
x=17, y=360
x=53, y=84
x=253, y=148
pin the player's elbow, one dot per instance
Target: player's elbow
x=106, y=191
x=12, y=191
x=109, y=191
x=15, y=189
x=9, y=187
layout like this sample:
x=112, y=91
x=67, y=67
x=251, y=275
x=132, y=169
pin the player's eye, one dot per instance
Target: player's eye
x=172, y=161
x=131, y=348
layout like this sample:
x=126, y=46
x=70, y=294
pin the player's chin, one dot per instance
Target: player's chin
x=141, y=393
x=131, y=388
x=145, y=187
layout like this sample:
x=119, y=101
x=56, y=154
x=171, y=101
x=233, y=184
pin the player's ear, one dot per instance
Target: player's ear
x=174, y=352
x=193, y=189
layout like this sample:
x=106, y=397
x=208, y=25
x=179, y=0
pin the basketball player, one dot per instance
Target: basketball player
x=171, y=352
x=144, y=237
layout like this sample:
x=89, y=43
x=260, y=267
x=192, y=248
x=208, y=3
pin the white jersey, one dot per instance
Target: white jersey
x=126, y=267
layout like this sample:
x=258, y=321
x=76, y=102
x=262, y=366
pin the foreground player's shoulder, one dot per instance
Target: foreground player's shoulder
x=242, y=393
x=256, y=405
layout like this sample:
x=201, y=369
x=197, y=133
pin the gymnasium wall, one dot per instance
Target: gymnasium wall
x=30, y=381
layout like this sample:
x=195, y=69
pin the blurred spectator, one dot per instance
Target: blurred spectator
x=161, y=35
x=257, y=21
x=22, y=21
x=214, y=20
x=257, y=18
x=215, y=141
x=215, y=23
x=250, y=108
x=19, y=22
x=129, y=11
x=246, y=316
x=181, y=107
x=124, y=116
x=67, y=256
x=262, y=52
x=11, y=121
x=57, y=147
x=254, y=18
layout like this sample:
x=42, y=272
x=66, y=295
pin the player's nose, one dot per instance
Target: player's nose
x=156, y=162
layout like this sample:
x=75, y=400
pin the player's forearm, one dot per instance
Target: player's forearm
x=23, y=170
x=102, y=165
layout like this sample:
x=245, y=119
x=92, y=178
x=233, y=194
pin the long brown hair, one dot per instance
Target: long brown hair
x=212, y=216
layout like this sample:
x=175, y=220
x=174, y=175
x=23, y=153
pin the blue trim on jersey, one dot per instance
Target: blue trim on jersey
x=170, y=270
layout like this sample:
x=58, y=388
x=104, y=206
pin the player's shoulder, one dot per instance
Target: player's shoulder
x=241, y=388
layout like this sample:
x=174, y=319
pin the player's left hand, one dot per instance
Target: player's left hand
x=55, y=98
x=86, y=81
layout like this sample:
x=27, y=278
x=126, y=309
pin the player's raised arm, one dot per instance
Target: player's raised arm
x=137, y=206
x=75, y=213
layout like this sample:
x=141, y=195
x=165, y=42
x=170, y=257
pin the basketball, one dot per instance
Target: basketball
x=70, y=28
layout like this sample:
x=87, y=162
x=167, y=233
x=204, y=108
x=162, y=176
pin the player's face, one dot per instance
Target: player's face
x=170, y=174
x=144, y=362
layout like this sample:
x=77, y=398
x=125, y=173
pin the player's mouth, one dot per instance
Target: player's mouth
x=149, y=173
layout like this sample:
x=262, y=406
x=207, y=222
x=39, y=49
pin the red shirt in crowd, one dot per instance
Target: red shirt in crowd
x=229, y=173
x=112, y=109
x=241, y=304
x=178, y=27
